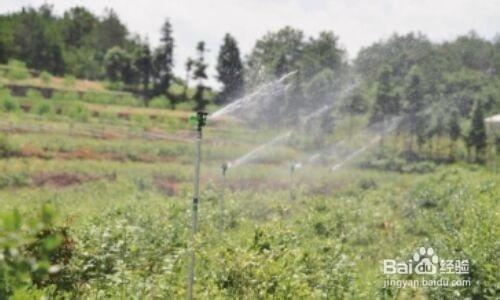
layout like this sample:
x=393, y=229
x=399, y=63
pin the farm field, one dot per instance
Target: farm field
x=249, y=150
x=122, y=195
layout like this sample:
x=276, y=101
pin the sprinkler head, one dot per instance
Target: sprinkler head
x=224, y=168
x=295, y=166
x=199, y=119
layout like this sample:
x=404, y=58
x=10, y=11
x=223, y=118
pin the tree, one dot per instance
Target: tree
x=200, y=74
x=163, y=61
x=279, y=50
x=38, y=41
x=439, y=128
x=320, y=89
x=78, y=23
x=414, y=103
x=320, y=53
x=230, y=70
x=145, y=67
x=477, y=132
x=282, y=66
x=110, y=32
x=355, y=104
x=386, y=101
x=454, y=130
x=118, y=63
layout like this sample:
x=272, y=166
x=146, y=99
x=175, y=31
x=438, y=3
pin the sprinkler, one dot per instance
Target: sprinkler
x=224, y=167
x=199, y=120
x=293, y=167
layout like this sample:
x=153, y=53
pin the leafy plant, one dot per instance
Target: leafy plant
x=17, y=70
x=69, y=80
x=6, y=148
x=46, y=77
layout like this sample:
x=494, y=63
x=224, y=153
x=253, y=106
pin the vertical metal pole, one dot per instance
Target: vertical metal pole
x=292, y=169
x=194, y=220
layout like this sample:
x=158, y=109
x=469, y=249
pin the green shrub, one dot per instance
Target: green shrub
x=33, y=94
x=46, y=77
x=8, y=104
x=111, y=98
x=13, y=180
x=159, y=102
x=76, y=111
x=186, y=106
x=34, y=253
x=114, y=85
x=6, y=148
x=69, y=80
x=397, y=164
x=64, y=96
x=17, y=70
x=108, y=116
x=129, y=100
x=43, y=108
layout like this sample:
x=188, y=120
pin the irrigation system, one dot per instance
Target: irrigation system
x=199, y=120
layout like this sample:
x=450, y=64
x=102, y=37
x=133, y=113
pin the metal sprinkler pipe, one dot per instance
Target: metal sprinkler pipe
x=292, y=170
x=199, y=120
x=224, y=168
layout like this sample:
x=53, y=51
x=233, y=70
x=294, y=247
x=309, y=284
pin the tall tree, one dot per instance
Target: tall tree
x=110, y=32
x=276, y=50
x=164, y=60
x=200, y=74
x=77, y=22
x=321, y=52
x=145, y=67
x=37, y=40
x=454, y=130
x=230, y=70
x=414, y=103
x=355, y=104
x=118, y=63
x=387, y=99
x=477, y=132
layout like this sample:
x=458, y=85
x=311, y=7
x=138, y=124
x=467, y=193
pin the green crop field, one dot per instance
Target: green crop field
x=112, y=201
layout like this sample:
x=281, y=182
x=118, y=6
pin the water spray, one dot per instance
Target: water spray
x=199, y=120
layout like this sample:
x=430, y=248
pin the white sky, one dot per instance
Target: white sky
x=358, y=23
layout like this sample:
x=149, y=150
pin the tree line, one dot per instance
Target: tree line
x=88, y=46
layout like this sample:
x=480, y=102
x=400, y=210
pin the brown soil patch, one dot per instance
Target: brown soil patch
x=64, y=179
x=167, y=185
x=27, y=151
x=124, y=115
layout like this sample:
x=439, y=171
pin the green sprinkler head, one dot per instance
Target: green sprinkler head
x=199, y=119
x=224, y=168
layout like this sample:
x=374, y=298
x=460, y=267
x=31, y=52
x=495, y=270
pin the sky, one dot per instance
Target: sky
x=358, y=23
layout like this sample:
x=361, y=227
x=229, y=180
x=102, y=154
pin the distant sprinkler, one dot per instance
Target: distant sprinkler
x=293, y=167
x=224, y=167
x=199, y=120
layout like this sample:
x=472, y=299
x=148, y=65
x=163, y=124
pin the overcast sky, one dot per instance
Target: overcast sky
x=358, y=23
